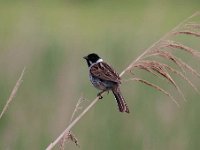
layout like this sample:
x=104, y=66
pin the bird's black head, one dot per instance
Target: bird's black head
x=92, y=58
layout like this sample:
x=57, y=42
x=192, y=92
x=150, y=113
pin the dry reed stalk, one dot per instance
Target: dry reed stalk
x=152, y=67
x=177, y=45
x=155, y=87
x=157, y=67
x=161, y=69
x=69, y=135
x=67, y=130
x=13, y=93
x=183, y=77
x=197, y=34
x=169, y=56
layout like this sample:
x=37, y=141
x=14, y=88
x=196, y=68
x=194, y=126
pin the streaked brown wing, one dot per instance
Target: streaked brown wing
x=103, y=71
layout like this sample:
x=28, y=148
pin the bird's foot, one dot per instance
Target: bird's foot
x=99, y=95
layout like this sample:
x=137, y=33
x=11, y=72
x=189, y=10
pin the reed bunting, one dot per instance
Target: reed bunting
x=104, y=78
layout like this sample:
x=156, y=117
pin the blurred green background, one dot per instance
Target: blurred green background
x=50, y=38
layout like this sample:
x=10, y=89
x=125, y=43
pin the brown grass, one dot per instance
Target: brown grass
x=197, y=34
x=164, y=48
x=155, y=87
x=177, y=45
x=13, y=93
x=160, y=68
x=69, y=136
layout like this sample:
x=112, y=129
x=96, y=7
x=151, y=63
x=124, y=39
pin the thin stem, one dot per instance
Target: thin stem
x=13, y=93
x=76, y=108
x=72, y=124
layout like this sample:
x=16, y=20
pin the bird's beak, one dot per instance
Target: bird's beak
x=85, y=57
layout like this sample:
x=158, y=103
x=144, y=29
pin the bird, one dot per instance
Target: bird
x=105, y=78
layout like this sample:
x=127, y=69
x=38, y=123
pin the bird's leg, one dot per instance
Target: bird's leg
x=99, y=94
x=107, y=92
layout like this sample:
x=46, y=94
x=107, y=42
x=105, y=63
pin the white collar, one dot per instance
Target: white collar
x=99, y=60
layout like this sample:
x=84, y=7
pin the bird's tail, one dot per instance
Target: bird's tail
x=120, y=100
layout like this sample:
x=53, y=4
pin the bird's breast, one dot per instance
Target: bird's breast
x=101, y=84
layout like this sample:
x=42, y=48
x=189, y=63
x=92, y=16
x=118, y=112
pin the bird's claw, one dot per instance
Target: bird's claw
x=99, y=95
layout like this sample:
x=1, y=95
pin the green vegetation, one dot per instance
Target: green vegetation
x=51, y=37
